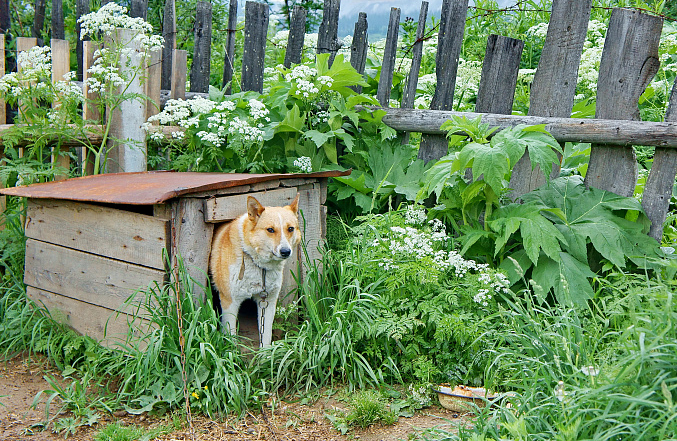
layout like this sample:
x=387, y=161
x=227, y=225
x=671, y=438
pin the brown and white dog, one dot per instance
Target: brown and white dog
x=247, y=261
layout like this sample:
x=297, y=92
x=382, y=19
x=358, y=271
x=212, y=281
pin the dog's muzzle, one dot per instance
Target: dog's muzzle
x=285, y=252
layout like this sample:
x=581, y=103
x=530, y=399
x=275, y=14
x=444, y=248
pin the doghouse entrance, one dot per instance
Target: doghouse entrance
x=247, y=322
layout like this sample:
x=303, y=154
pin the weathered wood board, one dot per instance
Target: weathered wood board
x=310, y=218
x=221, y=209
x=87, y=277
x=107, y=326
x=104, y=231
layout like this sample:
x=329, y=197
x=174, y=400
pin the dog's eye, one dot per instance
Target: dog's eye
x=270, y=230
x=290, y=229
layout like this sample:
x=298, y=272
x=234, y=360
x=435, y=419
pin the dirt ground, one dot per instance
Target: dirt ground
x=22, y=379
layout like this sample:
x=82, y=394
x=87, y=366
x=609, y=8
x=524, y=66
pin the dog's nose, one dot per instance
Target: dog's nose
x=285, y=252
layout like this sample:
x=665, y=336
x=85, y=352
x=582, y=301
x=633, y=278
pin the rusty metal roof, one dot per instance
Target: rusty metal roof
x=146, y=188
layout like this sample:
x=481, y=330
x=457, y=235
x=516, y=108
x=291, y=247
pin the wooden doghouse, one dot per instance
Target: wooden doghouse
x=93, y=242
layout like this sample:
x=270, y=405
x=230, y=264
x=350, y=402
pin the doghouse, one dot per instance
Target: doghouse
x=93, y=242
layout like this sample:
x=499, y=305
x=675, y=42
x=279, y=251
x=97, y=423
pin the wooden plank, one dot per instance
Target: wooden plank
x=385, y=82
x=169, y=34
x=191, y=242
x=60, y=67
x=554, y=85
x=138, y=8
x=153, y=80
x=81, y=8
x=104, y=231
x=409, y=94
x=450, y=40
x=327, y=35
x=24, y=44
x=659, y=185
x=500, y=67
x=227, y=208
x=229, y=62
x=629, y=62
x=201, y=67
x=127, y=145
x=87, y=277
x=297, y=35
x=108, y=327
x=38, y=19
x=613, y=132
x=58, y=31
x=255, y=32
x=179, y=74
x=310, y=218
x=358, y=48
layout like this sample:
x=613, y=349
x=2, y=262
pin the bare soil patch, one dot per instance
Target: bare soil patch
x=21, y=379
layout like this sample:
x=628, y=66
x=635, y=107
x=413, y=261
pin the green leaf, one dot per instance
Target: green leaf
x=293, y=122
x=492, y=163
x=436, y=177
x=317, y=137
x=567, y=276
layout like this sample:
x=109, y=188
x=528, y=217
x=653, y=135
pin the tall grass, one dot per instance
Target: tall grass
x=335, y=310
x=576, y=382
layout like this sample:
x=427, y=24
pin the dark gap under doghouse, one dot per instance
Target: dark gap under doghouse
x=247, y=322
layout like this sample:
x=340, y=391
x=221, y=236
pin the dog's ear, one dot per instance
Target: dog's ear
x=294, y=206
x=254, y=209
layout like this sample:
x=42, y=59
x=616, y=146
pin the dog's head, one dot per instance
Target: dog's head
x=273, y=232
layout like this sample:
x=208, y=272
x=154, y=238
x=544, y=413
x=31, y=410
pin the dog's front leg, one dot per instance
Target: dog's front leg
x=268, y=315
x=229, y=318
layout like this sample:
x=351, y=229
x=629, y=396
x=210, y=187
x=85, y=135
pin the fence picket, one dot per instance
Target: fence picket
x=90, y=110
x=58, y=30
x=385, y=82
x=450, y=40
x=327, y=36
x=358, y=49
x=169, y=34
x=659, y=185
x=179, y=74
x=229, y=62
x=554, y=85
x=409, y=93
x=138, y=8
x=202, y=49
x=255, y=31
x=60, y=67
x=629, y=62
x=81, y=8
x=297, y=34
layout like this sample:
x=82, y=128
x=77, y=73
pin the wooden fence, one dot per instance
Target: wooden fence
x=629, y=62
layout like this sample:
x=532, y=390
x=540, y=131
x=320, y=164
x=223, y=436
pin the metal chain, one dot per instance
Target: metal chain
x=263, y=303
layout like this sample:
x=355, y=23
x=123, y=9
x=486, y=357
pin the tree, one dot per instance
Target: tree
x=312, y=7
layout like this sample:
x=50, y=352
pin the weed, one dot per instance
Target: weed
x=118, y=432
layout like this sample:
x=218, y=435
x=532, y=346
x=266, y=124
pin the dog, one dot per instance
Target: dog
x=247, y=261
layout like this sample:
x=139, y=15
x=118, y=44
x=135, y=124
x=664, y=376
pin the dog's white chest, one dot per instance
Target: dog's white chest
x=249, y=281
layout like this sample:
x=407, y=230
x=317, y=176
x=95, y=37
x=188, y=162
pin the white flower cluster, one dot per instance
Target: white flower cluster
x=539, y=30
x=420, y=395
x=109, y=17
x=185, y=113
x=104, y=76
x=304, y=164
x=588, y=72
x=35, y=65
x=305, y=88
x=415, y=215
x=258, y=110
x=325, y=80
x=247, y=132
x=280, y=39
x=301, y=72
x=320, y=117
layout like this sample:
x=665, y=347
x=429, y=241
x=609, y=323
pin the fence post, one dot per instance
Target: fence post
x=23, y=44
x=138, y=8
x=60, y=67
x=450, y=40
x=327, y=36
x=409, y=94
x=153, y=79
x=38, y=19
x=3, y=120
x=169, y=34
x=200, y=69
x=90, y=111
x=179, y=74
x=658, y=189
x=58, y=31
x=385, y=82
x=629, y=62
x=554, y=85
x=229, y=62
x=81, y=8
x=358, y=49
x=127, y=147
x=255, y=30
x=297, y=35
